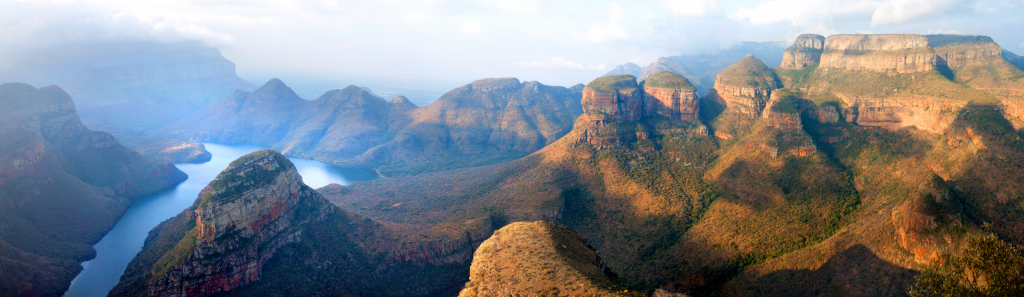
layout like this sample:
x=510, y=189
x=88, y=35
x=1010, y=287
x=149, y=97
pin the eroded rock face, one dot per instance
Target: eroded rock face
x=959, y=50
x=251, y=209
x=806, y=51
x=671, y=95
x=925, y=113
x=746, y=86
x=925, y=224
x=902, y=53
x=613, y=104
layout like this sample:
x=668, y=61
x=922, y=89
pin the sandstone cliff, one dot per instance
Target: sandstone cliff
x=611, y=99
x=539, y=258
x=806, y=51
x=745, y=86
x=251, y=209
x=900, y=53
x=671, y=95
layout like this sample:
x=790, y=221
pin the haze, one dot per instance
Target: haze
x=429, y=47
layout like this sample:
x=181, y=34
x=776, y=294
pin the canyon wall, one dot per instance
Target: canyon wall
x=671, y=95
x=902, y=53
x=806, y=51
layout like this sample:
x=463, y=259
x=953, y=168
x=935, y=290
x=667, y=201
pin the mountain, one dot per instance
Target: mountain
x=844, y=176
x=561, y=262
x=702, y=69
x=257, y=229
x=62, y=186
x=628, y=68
x=131, y=85
x=168, y=151
x=484, y=122
x=1013, y=59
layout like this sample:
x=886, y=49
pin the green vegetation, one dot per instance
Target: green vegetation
x=230, y=183
x=622, y=83
x=987, y=266
x=786, y=102
x=667, y=79
x=750, y=72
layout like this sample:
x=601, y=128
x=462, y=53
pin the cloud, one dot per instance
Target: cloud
x=690, y=7
x=518, y=5
x=942, y=31
x=332, y=5
x=33, y=25
x=802, y=12
x=471, y=27
x=416, y=17
x=609, y=31
x=900, y=11
x=561, y=62
x=1021, y=45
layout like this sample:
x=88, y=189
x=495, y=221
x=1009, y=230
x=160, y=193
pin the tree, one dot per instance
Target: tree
x=987, y=266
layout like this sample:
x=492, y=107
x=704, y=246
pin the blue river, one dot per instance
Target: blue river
x=117, y=248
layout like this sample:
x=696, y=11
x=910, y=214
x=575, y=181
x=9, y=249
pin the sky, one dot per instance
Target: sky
x=442, y=44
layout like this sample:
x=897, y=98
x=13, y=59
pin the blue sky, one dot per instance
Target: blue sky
x=452, y=42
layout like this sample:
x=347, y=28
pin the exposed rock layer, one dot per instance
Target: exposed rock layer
x=806, y=50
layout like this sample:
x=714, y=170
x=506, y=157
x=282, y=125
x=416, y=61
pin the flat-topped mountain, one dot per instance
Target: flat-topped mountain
x=62, y=186
x=559, y=262
x=487, y=121
x=131, y=85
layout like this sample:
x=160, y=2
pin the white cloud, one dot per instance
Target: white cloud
x=518, y=5
x=900, y=11
x=609, y=31
x=561, y=62
x=416, y=17
x=603, y=33
x=471, y=27
x=690, y=7
x=802, y=12
x=332, y=5
x=942, y=31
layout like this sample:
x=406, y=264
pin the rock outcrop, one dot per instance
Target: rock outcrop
x=611, y=99
x=786, y=133
x=745, y=86
x=929, y=224
x=536, y=259
x=671, y=95
x=806, y=51
x=901, y=53
x=251, y=209
x=955, y=51
x=669, y=65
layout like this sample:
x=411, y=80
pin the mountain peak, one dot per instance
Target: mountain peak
x=622, y=83
x=249, y=171
x=668, y=79
x=401, y=100
x=274, y=85
x=493, y=84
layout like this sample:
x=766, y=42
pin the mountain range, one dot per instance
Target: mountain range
x=485, y=122
x=843, y=173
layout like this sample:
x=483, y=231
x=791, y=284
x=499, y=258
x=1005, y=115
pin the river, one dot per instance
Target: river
x=117, y=248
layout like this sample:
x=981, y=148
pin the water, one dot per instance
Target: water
x=117, y=248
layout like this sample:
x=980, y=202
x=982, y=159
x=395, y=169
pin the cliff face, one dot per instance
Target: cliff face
x=611, y=99
x=955, y=51
x=745, y=86
x=131, y=85
x=62, y=187
x=671, y=95
x=927, y=225
x=94, y=157
x=251, y=209
x=806, y=51
x=560, y=262
x=902, y=53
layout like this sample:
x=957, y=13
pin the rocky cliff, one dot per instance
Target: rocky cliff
x=94, y=157
x=806, y=51
x=745, y=86
x=611, y=99
x=251, y=209
x=539, y=258
x=900, y=53
x=671, y=95
x=131, y=85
